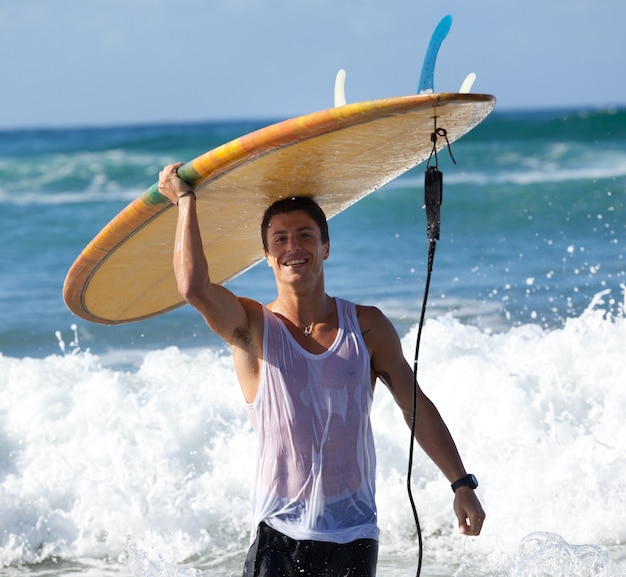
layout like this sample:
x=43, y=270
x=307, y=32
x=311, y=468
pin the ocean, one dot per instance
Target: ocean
x=126, y=450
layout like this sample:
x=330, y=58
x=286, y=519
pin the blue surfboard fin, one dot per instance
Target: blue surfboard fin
x=427, y=76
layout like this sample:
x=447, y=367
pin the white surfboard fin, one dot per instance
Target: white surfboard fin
x=466, y=87
x=340, y=88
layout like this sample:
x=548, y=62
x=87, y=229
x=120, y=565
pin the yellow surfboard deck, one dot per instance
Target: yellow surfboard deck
x=337, y=156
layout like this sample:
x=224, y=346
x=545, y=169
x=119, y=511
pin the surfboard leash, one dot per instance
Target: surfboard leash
x=433, y=197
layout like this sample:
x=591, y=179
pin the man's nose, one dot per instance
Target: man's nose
x=292, y=241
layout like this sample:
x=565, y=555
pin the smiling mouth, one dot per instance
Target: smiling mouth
x=294, y=262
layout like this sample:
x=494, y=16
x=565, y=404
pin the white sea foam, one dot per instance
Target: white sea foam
x=88, y=196
x=151, y=467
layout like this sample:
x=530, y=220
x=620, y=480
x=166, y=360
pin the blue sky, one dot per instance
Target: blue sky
x=87, y=62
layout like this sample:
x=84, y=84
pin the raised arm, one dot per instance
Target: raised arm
x=232, y=318
x=431, y=432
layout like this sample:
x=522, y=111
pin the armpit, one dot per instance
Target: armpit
x=385, y=378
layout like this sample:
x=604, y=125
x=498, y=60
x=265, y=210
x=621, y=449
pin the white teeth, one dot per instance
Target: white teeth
x=292, y=262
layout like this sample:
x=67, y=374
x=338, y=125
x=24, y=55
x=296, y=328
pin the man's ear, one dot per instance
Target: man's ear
x=327, y=253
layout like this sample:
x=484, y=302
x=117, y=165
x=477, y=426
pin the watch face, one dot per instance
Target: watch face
x=474, y=480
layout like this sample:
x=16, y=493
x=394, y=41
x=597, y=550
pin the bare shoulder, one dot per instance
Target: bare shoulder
x=252, y=307
x=373, y=322
x=237, y=320
x=383, y=343
x=378, y=332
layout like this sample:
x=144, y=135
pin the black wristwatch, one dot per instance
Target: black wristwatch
x=465, y=481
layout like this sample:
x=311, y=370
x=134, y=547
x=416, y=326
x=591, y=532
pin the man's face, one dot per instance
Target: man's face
x=295, y=249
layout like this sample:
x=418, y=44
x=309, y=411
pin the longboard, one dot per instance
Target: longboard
x=337, y=156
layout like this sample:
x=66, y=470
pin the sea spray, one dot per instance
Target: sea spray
x=91, y=455
x=548, y=554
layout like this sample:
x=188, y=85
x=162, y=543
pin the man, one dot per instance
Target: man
x=307, y=364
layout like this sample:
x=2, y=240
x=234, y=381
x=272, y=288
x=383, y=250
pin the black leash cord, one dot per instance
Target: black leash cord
x=433, y=197
x=432, y=244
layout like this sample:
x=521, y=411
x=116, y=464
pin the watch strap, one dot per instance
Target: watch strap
x=468, y=480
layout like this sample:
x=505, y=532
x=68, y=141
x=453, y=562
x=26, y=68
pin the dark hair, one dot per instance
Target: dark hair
x=293, y=204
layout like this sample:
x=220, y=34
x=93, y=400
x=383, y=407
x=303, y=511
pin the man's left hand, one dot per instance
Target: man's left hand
x=468, y=511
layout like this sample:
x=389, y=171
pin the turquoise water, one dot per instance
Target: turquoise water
x=532, y=222
x=125, y=450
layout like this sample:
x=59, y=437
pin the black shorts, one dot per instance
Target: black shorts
x=275, y=555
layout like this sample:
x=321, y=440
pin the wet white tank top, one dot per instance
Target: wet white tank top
x=315, y=475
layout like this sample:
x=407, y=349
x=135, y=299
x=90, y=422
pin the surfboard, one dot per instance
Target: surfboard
x=337, y=156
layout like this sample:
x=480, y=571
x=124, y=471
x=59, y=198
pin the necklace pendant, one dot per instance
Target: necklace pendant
x=308, y=330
